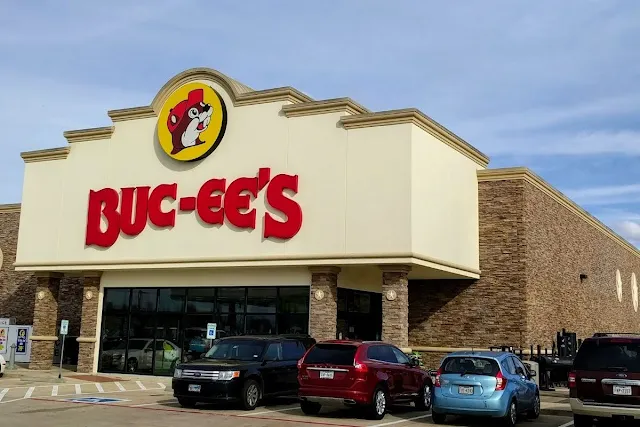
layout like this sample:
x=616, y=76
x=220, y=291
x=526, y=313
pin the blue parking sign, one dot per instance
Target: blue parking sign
x=211, y=331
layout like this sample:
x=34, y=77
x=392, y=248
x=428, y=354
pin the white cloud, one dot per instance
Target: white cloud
x=606, y=195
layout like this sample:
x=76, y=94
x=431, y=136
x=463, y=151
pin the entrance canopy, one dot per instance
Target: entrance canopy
x=216, y=174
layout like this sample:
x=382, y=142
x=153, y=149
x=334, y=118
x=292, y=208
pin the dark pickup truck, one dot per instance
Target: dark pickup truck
x=242, y=369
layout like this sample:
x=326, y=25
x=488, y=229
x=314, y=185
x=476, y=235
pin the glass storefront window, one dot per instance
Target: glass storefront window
x=149, y=330
x=201, y=300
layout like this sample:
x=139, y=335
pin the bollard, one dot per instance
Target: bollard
x=12, y=357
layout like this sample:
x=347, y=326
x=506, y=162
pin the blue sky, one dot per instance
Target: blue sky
x=550, y=85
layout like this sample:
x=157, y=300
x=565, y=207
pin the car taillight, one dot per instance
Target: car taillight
x=572, y=379
x=501, y=381
x=361, y=368
x=437, y=380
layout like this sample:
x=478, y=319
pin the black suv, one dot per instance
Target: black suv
x=605, y=380
x=242, y=369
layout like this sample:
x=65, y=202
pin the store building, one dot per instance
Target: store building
x=269, y=212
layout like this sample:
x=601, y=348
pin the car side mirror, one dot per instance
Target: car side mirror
x=532, y=373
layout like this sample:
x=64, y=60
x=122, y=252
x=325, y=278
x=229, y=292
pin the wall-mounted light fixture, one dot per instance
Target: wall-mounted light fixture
x=583, y=277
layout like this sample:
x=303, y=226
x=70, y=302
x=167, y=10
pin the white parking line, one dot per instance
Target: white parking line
x=78, y=389
x=2, y=393
x=29, y=392
x=99, y=387
x=120, y=387
x=570, y=423
x=142, y=387
x=401, y=421
x=162, y=386
x=54, y=390
x=270, y=411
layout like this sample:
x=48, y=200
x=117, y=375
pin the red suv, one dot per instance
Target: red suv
x=605, y=380
x=371, y=375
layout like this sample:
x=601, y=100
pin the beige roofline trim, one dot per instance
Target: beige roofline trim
x=418, y=118
x=91, y=134
x=323, y=107
x=523, y=173
x=10, y=208
x=264, y=261
x=131, y=114
x=59, y=153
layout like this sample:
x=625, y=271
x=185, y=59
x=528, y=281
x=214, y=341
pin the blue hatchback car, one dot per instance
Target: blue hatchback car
x=485, y=384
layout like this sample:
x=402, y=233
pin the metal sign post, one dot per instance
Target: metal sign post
x=64, y=330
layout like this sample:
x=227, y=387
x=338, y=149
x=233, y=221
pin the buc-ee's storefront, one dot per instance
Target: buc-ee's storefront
x=264, y=212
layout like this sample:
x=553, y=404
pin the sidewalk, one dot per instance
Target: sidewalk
x=555, y=402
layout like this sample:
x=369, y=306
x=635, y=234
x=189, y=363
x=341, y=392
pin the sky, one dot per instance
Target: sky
x=554, y=86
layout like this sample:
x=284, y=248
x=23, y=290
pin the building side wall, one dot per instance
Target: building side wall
x=485, y=312
x=561, y=246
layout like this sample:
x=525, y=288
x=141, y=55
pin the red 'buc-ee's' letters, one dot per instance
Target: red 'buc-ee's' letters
x=213, y=203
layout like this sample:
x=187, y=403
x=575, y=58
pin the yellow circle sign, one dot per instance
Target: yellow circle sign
x=192, y=122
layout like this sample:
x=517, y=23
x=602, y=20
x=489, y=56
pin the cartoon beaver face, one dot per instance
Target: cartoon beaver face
x=187, y=120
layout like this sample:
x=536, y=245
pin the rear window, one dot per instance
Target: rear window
x=333, y=354
x=605, y=355
x=470, y=365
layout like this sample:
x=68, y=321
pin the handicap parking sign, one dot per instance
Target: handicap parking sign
x=97, y=400
x=211, y=331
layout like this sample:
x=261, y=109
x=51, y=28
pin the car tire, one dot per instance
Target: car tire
x=424, y=400
x=378, y=407
x=534, y=413
x=582, y=421
x=187, y=403
x=251, y=394
x=310, y=408
x=438, y=418
x=511, y=417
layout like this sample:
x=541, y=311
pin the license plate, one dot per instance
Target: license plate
x=194, y=388
x=465, y=390
x=623, y=390
x=326, y=375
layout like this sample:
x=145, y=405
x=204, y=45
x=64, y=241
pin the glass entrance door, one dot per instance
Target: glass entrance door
x=359, y=315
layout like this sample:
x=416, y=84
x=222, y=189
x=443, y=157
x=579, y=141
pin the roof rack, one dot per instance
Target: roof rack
x=615, y=334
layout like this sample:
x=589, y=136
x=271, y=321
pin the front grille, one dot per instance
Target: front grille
x=205, y=375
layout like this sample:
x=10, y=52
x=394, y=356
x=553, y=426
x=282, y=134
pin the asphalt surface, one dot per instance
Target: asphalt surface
x=147, y=403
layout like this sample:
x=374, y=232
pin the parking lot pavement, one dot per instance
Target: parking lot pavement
x=155, y=406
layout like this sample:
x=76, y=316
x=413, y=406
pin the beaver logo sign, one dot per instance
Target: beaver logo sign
x=192, y=122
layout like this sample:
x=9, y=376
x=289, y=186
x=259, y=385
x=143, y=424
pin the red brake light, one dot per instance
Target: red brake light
x=501, y=381
x=572, y=379
x=437, y=379
x=358, y=364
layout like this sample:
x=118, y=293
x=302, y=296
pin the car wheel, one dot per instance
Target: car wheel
x=250, y=395
x=378, y=407
x=132, y=365
x=438, y=418
x=310, y=408
x=582, y=421
x=511, y=417
x=187, y=403
x=423, y=403
x=535, y=412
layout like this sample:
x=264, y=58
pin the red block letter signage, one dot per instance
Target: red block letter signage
x=103, y=202
x=278, y=200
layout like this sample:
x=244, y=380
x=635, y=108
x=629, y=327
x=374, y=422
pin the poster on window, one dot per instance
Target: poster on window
x=4, y=334
x=21, y=341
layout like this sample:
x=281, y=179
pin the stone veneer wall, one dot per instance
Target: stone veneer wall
x=18, y=289
x=484, y=312
x=559, y=247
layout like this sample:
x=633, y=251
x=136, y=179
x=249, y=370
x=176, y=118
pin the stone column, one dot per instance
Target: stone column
x=45, y=318
x=395, y=305
x=323, y=304
x=89, y=334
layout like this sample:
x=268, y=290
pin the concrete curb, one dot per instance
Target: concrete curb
x=562, y=412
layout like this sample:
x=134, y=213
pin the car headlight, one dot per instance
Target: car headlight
x=228, y=375
x=177, y=373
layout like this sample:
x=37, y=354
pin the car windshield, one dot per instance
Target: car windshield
x=332, y=354
x=613, y=356
x=470, y=365
x=244, y=350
